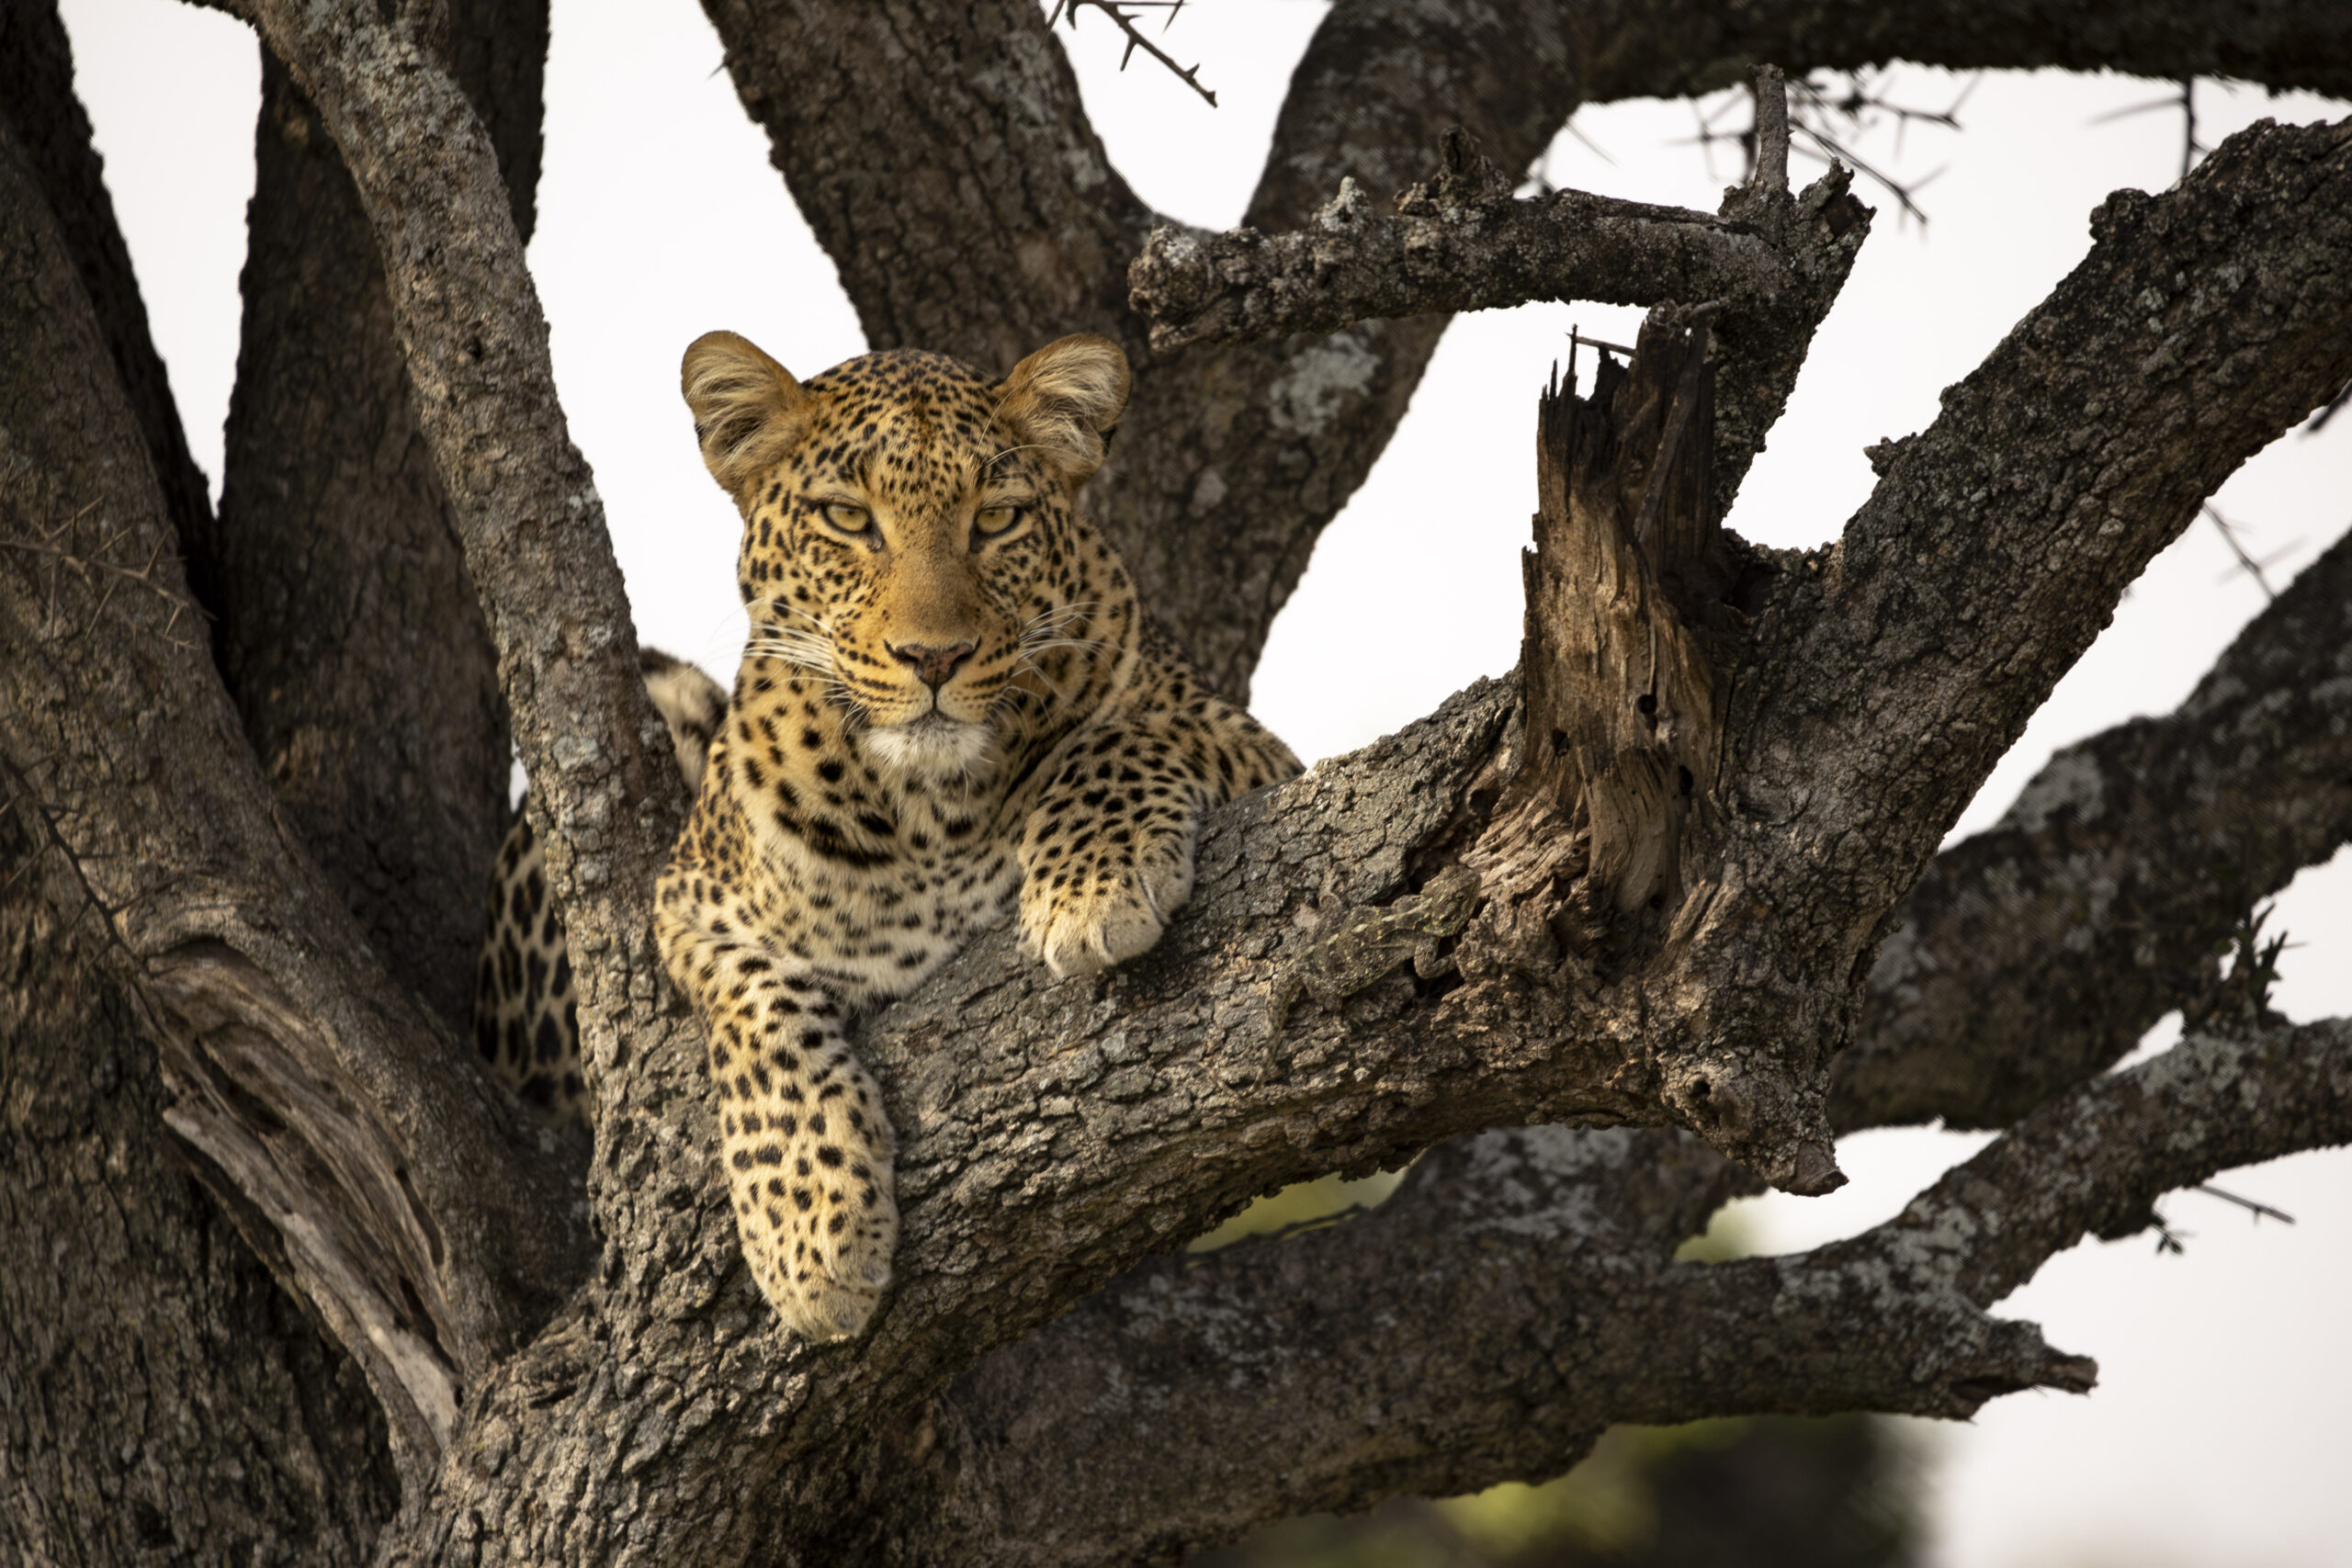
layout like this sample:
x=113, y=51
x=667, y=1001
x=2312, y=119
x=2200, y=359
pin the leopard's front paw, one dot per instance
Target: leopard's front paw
x=826, y=1275
x=1082, y=921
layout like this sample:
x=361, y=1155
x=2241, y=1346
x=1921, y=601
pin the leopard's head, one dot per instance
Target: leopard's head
x=911, y=535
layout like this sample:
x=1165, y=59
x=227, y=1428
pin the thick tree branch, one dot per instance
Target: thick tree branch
x=2288, y=44
x=406, y=1204
x=1516, y=1297
x=2036, y=954
x=1458, y=243
x=37, y=98
x=143, y=1341
x=1764, y=273
x=475, y=343
x=345, y=627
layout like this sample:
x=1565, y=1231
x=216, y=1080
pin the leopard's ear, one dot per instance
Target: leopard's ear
x=1063, y=399
x=749, y=412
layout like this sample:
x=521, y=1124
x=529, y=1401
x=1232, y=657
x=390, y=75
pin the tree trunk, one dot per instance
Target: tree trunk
x=158, y=1390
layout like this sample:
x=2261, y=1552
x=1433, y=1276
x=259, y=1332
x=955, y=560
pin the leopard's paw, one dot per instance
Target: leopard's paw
x=826, y=1310
x=1098, y=917
x=819, y=1234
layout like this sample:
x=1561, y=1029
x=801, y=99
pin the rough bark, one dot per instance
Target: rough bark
x=151, y=1344
x=1764, y=272
x=54, y=134
x=1518, y=1295
x=2037, y=953
x=529, y=520
x=1456, y=242
x=1054, y=1135
x=334, y=555
x=160, y=1396
x=1995, y=548
x=382, y=1176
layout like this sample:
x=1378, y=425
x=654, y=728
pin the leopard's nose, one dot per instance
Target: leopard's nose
x=932, y=663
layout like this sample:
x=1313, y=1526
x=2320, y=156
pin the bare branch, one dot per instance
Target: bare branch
x=2014, y=524
x=1117, y=11
x=2037, y=953
x=1769, y=268
x=1516, y=1296
x=2246, y=563
x=1771, y=92
x=348, y=634
x=1459, y=242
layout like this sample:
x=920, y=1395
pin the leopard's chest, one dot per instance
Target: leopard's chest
x=878, y=925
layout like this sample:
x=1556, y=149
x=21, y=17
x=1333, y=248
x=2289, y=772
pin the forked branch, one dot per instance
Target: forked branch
x=1518, y=1295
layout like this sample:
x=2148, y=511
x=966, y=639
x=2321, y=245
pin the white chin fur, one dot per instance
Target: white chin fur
x=933, y=745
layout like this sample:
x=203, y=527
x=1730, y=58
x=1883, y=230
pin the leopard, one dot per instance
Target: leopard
x=527, y=1010
x=952, y=709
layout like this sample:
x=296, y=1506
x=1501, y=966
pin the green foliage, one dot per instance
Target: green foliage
x=1729, y=1236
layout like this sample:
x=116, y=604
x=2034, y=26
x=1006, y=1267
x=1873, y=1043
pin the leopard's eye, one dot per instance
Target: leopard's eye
x=848, y=517
x=996, y=518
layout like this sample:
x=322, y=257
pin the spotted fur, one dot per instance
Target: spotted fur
x=526, y=1020
x=946, y=707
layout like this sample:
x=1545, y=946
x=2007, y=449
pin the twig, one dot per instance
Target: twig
x=2186, y=102
x=2246, y=563
x=1117, y=11
x=115, y=573
x=2334, y=406
x=2259, y=1211
x=1809, y=107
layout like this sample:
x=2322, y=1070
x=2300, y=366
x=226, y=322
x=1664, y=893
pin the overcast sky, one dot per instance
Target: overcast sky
x=2217, y=1434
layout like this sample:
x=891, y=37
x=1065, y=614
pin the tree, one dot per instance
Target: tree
x=334, y=1274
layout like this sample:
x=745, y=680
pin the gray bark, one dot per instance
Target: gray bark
x=2038, y=953
x=1056, y=1136
x=1457, y=243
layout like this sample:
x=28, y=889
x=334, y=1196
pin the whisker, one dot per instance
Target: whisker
x=1059, y=690
x=1009, y=451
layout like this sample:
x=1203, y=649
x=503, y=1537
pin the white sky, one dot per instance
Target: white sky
x=2217, y=1436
